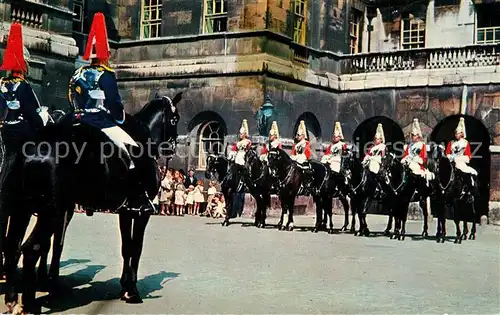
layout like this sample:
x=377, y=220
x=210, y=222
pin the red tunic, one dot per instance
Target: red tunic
x=307, y=150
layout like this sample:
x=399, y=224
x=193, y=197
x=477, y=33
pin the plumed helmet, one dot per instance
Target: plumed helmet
x=244, y=128
x=14, y=56
x=274, y=130
x=415, y=129
x=302, y=130
x=461, y=127
x=337, y=131
x=379, y=134
x=97, y=42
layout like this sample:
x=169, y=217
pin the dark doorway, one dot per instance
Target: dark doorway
x=480, y=140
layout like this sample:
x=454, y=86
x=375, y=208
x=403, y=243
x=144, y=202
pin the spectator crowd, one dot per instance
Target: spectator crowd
x=183, y=194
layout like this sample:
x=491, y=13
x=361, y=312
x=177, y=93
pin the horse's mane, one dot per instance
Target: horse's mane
x=154, y=106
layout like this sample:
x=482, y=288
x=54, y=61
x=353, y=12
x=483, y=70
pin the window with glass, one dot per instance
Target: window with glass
x=78, y=18
x=299, y=30
x=354, y=22
x=412, y=33
x=488, y=23
x=211, y=141
x=151, y=18
x=215, y=16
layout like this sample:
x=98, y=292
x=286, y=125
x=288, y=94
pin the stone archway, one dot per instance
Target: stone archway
x=480, y=140
x=363, y=134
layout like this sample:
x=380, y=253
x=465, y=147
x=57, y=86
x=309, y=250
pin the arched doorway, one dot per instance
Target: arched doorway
x=480, y=140
x=207, y=131
x=363, y=137
x=363, y=134
x=312, y=125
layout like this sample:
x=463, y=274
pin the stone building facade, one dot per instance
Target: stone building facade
x=47, y=34
x=356, y=61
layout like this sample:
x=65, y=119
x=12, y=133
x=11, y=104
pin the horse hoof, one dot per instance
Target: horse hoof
x=463, y=237
x=290, y=228
x=367, y=233
x=425, y=234
x=472, y=236
x=458, y=240
x=262, y=226
x=387, y=233
x=402, y=238
x=330, y=231
x=132, y=299
x=315, y=230
x=343, y=229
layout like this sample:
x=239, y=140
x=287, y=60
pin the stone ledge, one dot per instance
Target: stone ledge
x=258, y=63
x=36, y=40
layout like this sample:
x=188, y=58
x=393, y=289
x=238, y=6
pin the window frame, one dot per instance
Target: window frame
x=202, y=155
x=299, y=32
x=151, y=23
x=354, y=37
x=421, y=29
x=214, y=15
x=81, y=4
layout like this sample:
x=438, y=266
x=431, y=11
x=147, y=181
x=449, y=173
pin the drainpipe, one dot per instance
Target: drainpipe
x=371, y=12
x=463, y=105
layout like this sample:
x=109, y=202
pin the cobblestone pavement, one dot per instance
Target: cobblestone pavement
x=193, y=265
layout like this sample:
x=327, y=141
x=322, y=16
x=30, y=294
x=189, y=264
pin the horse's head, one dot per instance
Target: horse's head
x=216, y=165
x=391, y=168
x=277, y=160
x=251, y=158
x=161, y=116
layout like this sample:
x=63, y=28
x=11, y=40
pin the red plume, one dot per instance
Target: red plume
x=13, y=59
x=97, y=44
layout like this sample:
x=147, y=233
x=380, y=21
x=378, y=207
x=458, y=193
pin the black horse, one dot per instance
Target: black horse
x=234, y=178
x=334, y=186
x=263, y=183
x=450, y=195
x=367, y=192
x=49, y=184
x=289, y=177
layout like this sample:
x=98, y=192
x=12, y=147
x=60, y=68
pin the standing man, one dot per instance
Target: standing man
x=459, y=152
x=273, y=142
x=190, y=179
x=301, y=153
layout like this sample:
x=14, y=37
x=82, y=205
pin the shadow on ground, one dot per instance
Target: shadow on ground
x=78, y=289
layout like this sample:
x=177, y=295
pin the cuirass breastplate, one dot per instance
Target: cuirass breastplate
x=85, y=89
x=9, y=93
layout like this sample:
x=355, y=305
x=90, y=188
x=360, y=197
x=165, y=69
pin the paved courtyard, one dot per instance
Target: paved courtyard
x=193, y=265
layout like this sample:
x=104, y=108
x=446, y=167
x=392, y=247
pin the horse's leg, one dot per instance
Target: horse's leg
x=140, y=223
x=423, y=206
x=257, y=216
x=283, y=211
x=229, y=208
x=355, y=210
x=403, y=228
x=388, y=229
x=397, y=227
x=319, y=214
x=329, y=213
x=125, y=220
x=290, y=226
x=17, y=228
x=345, y=204
x=57, y=248
x=37, y=243
x=465, y=230
x=4, y=219
x=266, y=202
x=364, y=225
x=458, y=239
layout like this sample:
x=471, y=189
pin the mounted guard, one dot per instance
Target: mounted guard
x=334, y=153
x=415, y=155
x=238, y=152
x=373, y=159
x=23, y=115
x=273, y=142
x=459, y=152
x=94, y=94
x=93, y=91
x=301, y=153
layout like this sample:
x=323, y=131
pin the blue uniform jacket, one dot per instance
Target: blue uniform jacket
x=30, y=121
x=112, y=102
